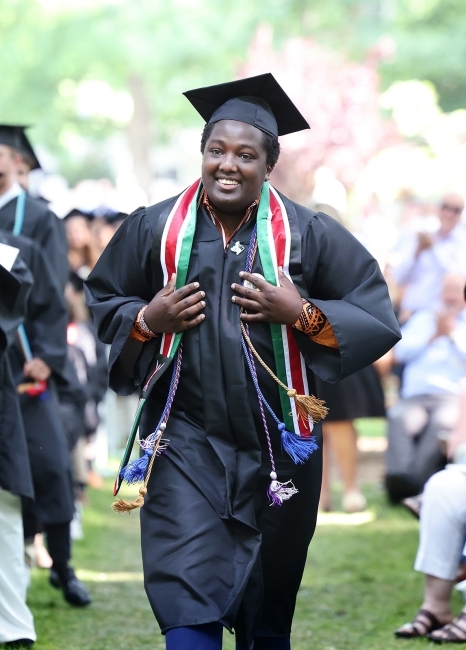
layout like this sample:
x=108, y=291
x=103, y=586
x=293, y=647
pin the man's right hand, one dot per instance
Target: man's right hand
x=175, y=310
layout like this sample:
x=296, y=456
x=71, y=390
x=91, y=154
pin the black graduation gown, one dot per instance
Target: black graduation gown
x=45, y=326
x=44, y=227
x=358, y=396
x=213, y=549
x=15, y=473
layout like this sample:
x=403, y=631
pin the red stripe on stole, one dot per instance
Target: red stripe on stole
x=279, y=236
x=278, y=229
x=170, y=246
x=175, y=226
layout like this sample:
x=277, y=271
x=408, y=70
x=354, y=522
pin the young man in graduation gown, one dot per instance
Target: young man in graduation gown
x=38, y=355
x=16, y=621
x=216, y=553
x=23, y=215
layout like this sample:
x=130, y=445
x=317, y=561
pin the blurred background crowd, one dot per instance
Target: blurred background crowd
x=383, y=85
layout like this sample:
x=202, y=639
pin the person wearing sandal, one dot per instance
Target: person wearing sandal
x=442, y=525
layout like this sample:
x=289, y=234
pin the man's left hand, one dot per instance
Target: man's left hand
x=271, y=304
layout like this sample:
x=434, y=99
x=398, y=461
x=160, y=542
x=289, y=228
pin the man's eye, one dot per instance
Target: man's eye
x=245, y=156
x=216, y=152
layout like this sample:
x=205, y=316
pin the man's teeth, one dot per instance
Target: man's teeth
x=227, y=181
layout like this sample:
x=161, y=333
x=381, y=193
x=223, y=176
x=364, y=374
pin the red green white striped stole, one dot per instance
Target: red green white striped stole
x=274, y=245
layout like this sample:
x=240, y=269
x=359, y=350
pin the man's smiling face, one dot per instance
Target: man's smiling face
x=234, y=166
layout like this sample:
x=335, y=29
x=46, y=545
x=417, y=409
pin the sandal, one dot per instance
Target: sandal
x=454, y=632
x=424, y=622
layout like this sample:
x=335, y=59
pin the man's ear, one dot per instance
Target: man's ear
x=268, y=171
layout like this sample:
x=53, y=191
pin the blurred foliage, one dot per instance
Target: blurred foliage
x=155, y=49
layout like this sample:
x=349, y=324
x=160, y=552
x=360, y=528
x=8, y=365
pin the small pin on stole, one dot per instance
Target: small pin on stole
x=237, y=248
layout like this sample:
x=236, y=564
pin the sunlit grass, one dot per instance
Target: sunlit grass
x=358, y=585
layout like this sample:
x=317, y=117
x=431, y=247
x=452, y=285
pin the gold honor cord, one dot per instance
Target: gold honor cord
x=306, y=405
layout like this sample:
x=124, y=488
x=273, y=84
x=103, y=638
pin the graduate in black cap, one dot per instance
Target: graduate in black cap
x=221, y=305
x=42, y=373
x=22, y=214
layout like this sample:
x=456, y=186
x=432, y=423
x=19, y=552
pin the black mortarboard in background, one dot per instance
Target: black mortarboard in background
x=76, y=212
x=114, y=218
x=259, y=101
x=10, y=135
x=14, y=136
x=27, y=150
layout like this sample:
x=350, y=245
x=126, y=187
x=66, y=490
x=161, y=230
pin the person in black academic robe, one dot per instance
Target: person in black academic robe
x=214, y=552
x=44, y=227
x=34, y=219
x=45, y=328
x=16, y=621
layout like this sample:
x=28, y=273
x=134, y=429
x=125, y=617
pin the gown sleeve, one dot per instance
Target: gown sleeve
x=344, y=281
x=116, y=289
x=13, y=309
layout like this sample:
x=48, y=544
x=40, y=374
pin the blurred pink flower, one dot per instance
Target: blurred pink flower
x=340, y=100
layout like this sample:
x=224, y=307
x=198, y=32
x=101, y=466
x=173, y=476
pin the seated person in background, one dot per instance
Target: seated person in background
x=433, y=350
x=425, y=258
x=442, y=534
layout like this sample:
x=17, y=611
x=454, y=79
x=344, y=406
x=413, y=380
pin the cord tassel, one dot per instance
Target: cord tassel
x=306, y=405
x=280, y=492
x=297, y=447
x=309, y=406
x=136, y=470
x=121, y=506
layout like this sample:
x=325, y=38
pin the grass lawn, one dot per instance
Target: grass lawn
x=357, y=588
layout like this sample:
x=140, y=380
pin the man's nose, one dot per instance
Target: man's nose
x=228, y=162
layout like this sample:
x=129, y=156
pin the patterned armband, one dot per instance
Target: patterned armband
x=314, y=324
x=311, y=321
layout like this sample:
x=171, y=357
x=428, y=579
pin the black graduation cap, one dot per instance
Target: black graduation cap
x=10, y=135
x=259, y=101
x=27, y=150
x=115, y=217
x=76, y=212
x=14, y=136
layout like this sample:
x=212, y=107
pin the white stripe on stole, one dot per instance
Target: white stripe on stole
x=163, y=243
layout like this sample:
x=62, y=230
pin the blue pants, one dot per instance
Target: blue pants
x=209, y=637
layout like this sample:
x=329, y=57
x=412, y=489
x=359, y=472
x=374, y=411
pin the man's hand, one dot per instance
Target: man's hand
x=445, y=324
x=36, y=369
x=424, y=242
x=175, y=310
x=271, y=304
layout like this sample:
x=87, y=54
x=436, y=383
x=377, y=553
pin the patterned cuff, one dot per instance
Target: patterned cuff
x=311, y=321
